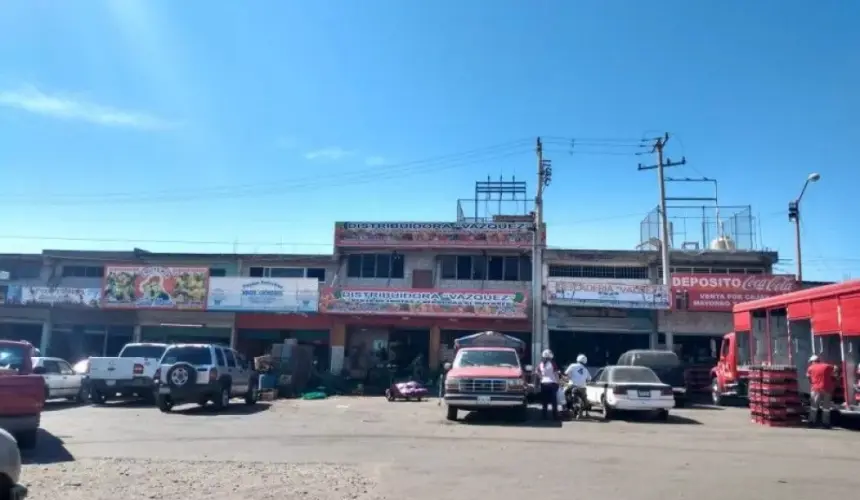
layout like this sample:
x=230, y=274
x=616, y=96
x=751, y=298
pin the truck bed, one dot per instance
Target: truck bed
x=121, y=368
x=21, y=395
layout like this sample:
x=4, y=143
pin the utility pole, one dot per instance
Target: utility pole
x=665, y=243
x=539, y=338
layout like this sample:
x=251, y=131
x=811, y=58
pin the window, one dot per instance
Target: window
x=51, y=367
x=219, y=355
x=479, y=268
x=608, y=272
x=83, y=271
x=217, y=272
x=194, y=355
x=231, y=361
x=368, y=265
x=714, y=270
x=241, y=362
x=65, y=369
x=316, y=272
x=600, y=376
x=287, y=272
x=142, y=351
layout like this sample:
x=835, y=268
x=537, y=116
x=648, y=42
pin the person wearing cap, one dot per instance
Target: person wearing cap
x=10, y=469
x=822, y=382
x=548, y=383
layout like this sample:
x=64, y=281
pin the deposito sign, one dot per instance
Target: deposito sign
x=719, y=292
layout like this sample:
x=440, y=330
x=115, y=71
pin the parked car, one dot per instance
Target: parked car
x=629, y=388
x=131, y=374
x=486, y=379
x=22, y=394
x=61, y=381
x=665, y=364
x=200, y=373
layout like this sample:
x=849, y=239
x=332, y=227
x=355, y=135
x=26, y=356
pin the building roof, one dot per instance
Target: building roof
x=652, y=257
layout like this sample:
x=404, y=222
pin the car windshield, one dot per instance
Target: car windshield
x=187, y=354
x=633, y=375
x=656, y=359
x=143, y=351
x=12, y=357
x=506, y=359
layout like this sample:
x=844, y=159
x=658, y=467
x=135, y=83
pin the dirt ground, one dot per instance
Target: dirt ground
x=367, y=448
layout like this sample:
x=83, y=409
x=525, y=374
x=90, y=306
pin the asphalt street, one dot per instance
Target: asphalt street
x=367, y=448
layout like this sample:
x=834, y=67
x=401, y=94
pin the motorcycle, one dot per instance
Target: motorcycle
x=575, y=402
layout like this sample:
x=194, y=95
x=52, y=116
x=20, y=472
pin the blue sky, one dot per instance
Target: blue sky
x=263, y=122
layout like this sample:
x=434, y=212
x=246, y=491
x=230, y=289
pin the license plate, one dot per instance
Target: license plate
x=164, y=390
x=110, y=383
x=644, y=394
x=484, y=400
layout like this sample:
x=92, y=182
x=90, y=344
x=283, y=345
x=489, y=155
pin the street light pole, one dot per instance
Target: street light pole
x=794, y=215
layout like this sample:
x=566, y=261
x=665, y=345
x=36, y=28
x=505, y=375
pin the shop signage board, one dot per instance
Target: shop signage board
x=410, y=302
x=434, y=234
x=277, y=295
x=590, y=293
x=59, y=296
x=719, y=292
x=155, y=287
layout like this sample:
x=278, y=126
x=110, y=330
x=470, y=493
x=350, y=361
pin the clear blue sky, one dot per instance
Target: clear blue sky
x=264, y=122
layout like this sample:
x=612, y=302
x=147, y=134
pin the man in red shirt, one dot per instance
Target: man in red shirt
x=822, y=383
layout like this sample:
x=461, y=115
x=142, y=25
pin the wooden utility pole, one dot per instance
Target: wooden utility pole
x=540, y=340
x=665, y=241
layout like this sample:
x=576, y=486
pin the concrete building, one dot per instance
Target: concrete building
x=604, y=302
x=405, y=289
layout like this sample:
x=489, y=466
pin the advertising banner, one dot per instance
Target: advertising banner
x=434, y=234
x=589, y=293
x=719, y=292
x=59, y=296
x=410, y=302
x=155, y=287
x=278, y=295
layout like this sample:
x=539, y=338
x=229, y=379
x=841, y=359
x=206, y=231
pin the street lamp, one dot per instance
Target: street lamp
x=794, y=216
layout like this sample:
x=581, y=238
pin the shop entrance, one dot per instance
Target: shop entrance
x=28, y=332
x=409, y=351
x=696, y=349
x=602, y=349
x=185, y=335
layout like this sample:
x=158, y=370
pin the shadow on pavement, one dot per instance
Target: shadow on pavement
x=700, y=406
x=233, y=409
x=534, y=419
x=49, y=449
x=57, y=405
x=646, y=418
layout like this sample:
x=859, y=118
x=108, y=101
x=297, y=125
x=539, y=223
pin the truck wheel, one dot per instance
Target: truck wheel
x=252, y=395
x=521, y=413
x=164, y=403
x=608, y=412
x=716, y=394
x=452, y=414
x=27, y=439
x=663, y=415
x=222, y=399
x=98, y=397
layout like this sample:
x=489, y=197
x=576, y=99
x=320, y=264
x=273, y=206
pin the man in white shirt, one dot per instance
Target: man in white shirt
x=579, y=377
x=548, y=384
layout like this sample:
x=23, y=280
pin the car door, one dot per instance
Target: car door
x=240, y=379
x=594, y=389
x=71, y=380
x=246, y=366
x=53, y=378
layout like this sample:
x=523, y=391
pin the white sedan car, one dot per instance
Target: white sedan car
x=61, y=381
x=630, y=388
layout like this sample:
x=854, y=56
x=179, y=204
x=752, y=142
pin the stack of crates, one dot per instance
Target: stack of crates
x=774, y=396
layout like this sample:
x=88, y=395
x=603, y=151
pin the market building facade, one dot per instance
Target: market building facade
x=404, y=291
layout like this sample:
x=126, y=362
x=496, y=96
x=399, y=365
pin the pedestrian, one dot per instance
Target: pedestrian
x=822, y=383
x=548, y=384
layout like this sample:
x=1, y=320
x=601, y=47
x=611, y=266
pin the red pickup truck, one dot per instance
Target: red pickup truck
x=22, y=394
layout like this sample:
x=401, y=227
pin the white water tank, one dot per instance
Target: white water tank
x=723, y=243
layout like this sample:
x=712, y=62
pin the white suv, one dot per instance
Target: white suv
x=199, y=373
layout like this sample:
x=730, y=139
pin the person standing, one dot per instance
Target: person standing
x=548, y=384
x=822, y=383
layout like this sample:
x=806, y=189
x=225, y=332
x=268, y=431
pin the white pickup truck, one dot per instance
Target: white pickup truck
x=129, y=375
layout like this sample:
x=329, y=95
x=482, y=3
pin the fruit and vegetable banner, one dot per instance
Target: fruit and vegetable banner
x=155, y=287
x=434, y=234
x=446, y=303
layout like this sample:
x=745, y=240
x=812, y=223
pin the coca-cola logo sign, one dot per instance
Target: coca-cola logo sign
x=763, y=283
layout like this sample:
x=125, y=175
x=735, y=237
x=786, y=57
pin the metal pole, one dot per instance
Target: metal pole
x=797, y=244
x=537, y=263
x=664, y=222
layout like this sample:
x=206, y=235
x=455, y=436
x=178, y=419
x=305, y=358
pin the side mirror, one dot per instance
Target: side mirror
x=446, y=366
x=529, y=368
x=39, y=370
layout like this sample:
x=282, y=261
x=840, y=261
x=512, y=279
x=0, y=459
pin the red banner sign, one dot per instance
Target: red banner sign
x=719, y=292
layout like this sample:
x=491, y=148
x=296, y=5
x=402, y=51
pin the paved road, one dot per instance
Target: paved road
x=369, y=449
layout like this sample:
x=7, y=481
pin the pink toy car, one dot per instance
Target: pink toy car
x=407, y=391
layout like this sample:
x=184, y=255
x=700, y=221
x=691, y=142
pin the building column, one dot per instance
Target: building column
x=234, y=336
x=337, y=341
x=435, y=346
x=138, y=334
x=45, y=340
